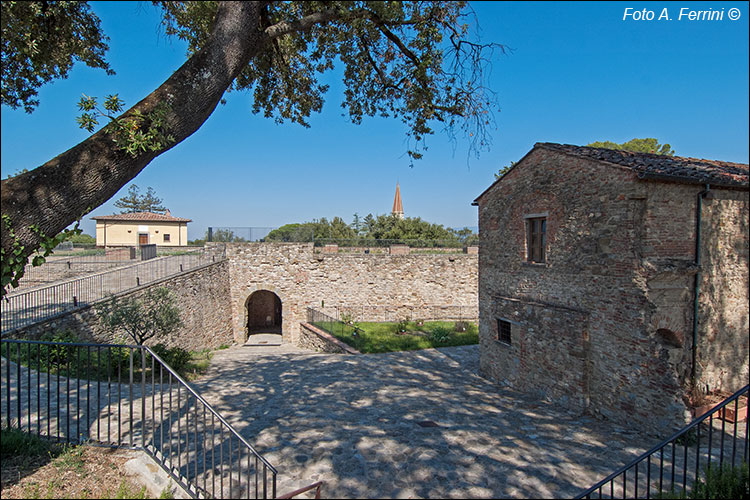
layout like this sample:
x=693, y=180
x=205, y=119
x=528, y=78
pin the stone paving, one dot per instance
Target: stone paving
x=418, y=424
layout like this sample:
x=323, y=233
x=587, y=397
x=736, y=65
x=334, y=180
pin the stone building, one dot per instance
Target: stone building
x=593, y=263
x=141, y=228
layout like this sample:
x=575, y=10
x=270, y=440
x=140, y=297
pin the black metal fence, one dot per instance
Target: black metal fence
x=670, y=469
x=395, y=313
x=385, y=243
x=328, y=323
x=31, y=306
x=126, y=396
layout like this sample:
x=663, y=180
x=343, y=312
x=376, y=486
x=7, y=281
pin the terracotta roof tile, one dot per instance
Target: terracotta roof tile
x=671, y=168
x=142, y=217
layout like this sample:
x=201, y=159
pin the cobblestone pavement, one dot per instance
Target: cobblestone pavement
x=408, y=424
x=418, y=424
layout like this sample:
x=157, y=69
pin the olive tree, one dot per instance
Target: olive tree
x=153, y=315
x=421, y=62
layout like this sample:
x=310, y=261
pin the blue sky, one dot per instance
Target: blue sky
x=576, y=73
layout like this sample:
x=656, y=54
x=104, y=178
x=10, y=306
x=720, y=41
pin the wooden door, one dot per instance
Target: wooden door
x=143, y=239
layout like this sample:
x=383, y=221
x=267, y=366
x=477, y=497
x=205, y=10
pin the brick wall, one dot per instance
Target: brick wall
x=605, y=324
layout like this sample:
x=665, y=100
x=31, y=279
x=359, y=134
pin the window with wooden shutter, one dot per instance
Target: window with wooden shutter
x=536, y=239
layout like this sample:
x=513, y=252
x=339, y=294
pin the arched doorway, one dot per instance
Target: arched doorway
x=263, y=312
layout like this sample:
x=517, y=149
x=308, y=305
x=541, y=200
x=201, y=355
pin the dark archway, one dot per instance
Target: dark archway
x=263, y=312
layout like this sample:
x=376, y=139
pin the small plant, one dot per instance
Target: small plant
x=223, y=346
x=721, y=483
x=166, y=493
x=440, y=335
x=347, y=318
x=71, y=459
x=402, y=325
x=687, y=439
x=125, y=491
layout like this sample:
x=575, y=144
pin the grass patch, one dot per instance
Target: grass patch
x=368, y=337
x=33, y=467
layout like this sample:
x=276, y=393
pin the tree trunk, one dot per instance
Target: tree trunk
x=62, y=190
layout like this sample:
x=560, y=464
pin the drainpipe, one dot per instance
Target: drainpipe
x=696, y=291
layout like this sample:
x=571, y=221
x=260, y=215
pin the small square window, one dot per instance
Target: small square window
x=536, y=239
x=503, y=331
x=166, y=237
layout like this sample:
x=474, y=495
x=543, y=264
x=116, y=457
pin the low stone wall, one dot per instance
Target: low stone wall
x=201, y=294
x=316, y=339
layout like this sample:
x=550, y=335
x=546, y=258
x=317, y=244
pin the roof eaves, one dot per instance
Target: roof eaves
x=682, y=179
x=476, y=200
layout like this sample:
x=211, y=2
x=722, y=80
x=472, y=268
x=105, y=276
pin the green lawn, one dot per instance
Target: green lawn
x=386, y=337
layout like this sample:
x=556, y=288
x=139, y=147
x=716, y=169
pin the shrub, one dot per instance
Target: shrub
x=724, y=482
x=176, y=357
x=440, y=335
x=402, y=325
x=347, y=318
x=15, y=442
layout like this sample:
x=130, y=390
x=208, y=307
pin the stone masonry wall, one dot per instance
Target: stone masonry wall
x=723, y=311
x=202, y=296
x=302, y=278
x=602, y=325
x=315, y=340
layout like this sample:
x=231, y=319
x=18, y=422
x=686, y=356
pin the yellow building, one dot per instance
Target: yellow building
x=141, y=228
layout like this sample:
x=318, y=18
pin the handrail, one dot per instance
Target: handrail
x=42, y=303
x=316, y=485
x=184, y=438
x=209, y=407
x=682, y=432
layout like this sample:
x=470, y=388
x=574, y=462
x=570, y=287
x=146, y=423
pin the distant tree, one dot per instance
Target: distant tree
x=382, y=227
x=356, y=223
x=292, y=232
x=154, y=315
x=136, y=202
x=82, y=239
x=648, y=145
x=504, y=170
x=225, y=235
x=466, y=236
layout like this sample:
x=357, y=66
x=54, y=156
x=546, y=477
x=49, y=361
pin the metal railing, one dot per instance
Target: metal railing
x=237, y=234
x=127, y=396
x=673, y=466
x=395, y=313
x=23, y=308
x=330, y=324
x=385, y=243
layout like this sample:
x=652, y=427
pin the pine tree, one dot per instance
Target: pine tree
x=136, y=202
